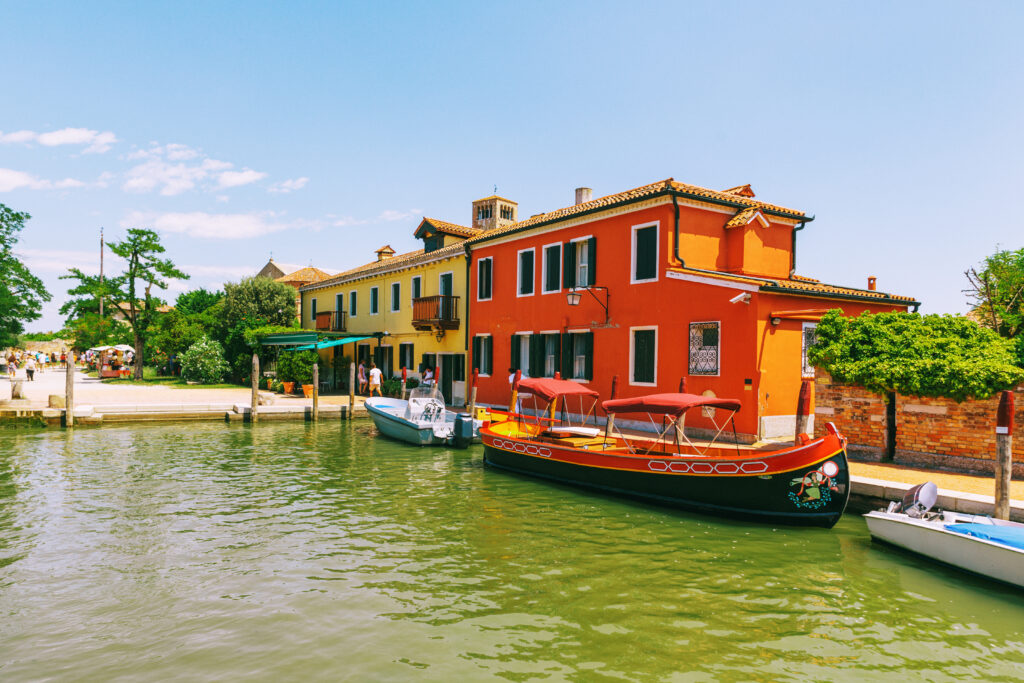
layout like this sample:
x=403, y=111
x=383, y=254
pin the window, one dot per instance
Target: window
x=577, y=355
x=520, y=355
x=810, y=335
x=363, y=353
x=483, y=354
x=484, y=212
x=432, y=243
x=406, y=356
x=458, y=367
x=552, y=268
x=579, y=263
x=339, y=302
x=645, y=253
x=312, y=310
x=525, y=284
x=506, y=213
x=429, y=361
x=705, y=342
x=550, y=354
x=416, y=287
x=351, y=304
x=484, y=268
x=373, y=300
x=643, y=355
x=396, y=296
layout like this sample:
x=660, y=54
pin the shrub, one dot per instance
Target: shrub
x=297, y=366
x=204, y=362
x=391, y=386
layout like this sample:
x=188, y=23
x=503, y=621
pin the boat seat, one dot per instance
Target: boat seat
x=562, y=432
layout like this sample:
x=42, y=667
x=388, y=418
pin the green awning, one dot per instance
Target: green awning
x=289, y=339
x=333, y=342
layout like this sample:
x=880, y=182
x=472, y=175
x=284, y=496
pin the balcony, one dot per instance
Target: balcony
x=435, y=312
x=330, y=321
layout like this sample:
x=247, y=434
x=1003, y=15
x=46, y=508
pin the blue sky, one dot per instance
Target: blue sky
x=320, y=131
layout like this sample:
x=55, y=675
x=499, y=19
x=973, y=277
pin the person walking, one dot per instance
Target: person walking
x=30, y=367
x=63, y=360
x=12, y=366
x=362, y=376
x=376, y=377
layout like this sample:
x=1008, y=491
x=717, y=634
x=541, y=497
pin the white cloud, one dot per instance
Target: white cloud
x=392, y=215
x=94, y=141
x=239, y=178
x=18, y=180
x=288, y=185
x=228, y=226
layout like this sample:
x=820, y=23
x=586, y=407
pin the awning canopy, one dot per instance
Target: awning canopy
x=332, y=342
x=289, y=339
x=548, y=388
x=667, y=404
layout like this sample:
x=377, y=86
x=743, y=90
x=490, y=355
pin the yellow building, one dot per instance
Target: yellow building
x=411, y=307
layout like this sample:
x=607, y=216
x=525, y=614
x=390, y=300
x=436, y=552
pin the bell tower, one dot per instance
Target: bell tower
x=494, y=212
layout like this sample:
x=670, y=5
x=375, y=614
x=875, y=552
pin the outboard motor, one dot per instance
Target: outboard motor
x=463, y=430
x=919, y=499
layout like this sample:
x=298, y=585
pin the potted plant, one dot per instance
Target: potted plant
x=296, y=368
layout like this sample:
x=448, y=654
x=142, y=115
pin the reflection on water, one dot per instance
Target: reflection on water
x=292, y=551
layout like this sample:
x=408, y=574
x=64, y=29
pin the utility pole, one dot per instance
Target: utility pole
x=101, y=270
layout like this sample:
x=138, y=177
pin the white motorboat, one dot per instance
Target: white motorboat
x=975, y=543
x=423, y=419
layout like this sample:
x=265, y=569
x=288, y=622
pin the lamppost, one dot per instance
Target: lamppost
x=573, y=297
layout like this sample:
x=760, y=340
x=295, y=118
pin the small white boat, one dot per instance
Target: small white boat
x=975, y=543
x=422, y=420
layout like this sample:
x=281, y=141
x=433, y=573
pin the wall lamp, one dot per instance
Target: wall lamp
x=573, y=297
x=776, y=320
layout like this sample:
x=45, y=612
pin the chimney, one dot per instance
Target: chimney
x=583, y=195
x=871, y=282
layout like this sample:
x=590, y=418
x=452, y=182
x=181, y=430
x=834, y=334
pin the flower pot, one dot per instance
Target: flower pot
x=289, y=387
x=307, y=390
x=270, y=382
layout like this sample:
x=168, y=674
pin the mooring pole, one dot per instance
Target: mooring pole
x=69, y=390
x=316, y=391
x=609, y=425
x=803, y=409
x=255, y=398
x=515, y=391
x=405, y=376
x=351, y=388
x=472, y=393
x=1004, y=454
x=681, y=420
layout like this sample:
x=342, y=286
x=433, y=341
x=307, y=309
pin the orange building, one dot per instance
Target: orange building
x=650, y=286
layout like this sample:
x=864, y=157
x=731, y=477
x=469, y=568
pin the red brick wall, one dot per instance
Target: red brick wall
x=929, y=431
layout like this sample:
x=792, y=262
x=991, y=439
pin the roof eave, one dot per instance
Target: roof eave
x=795, y=291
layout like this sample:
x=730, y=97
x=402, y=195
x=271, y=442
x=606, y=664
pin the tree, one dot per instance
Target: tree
x=259, y=298
x=21, y=293
x=144, y=270
x=196, y=301
x=907, y=353
x=90, y=330
x=996, y=292
x=204, y=362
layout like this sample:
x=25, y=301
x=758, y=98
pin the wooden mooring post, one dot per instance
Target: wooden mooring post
x=316, y=391
x=69, y=391
x=803, y=409
x=609, y=425
x=1004, y=454
x=405, y=376
x=254, y=400
x=472, y=393
x=351, y=388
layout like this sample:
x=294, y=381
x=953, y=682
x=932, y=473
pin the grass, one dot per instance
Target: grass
x=150, y=378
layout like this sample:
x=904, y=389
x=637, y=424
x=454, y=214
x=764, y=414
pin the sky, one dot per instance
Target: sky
x=318, y=132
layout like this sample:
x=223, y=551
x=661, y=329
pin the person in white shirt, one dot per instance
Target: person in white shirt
x=30, y=367
x=376, y=377
x=428, y=377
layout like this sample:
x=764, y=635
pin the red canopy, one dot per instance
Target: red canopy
x=548, y=388
x=667, y=404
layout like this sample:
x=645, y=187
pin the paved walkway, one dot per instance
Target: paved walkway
x=979, y=484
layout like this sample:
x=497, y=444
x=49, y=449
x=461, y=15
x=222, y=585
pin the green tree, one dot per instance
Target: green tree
x=907, y=353
x=21, y=293
x=252, y=303
x=204, y=362
x=996, y=294
x=196, y=301
x=131, y=291
x=90, y=330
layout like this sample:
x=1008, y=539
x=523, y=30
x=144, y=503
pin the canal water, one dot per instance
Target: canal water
x=297, y=551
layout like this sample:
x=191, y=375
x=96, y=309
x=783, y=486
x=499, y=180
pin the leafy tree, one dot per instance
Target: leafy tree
x=21, y=293
x=297, y=366
x=907, y=353
x=204, y=362
x=131, y=291
x=996, y=292
x=90, y=330
x=197, y=301
x=259, y=298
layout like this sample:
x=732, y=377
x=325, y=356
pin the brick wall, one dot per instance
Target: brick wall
x=930, y=432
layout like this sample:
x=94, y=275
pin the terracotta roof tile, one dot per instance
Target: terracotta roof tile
x=798, y=284
x=742, y=190
x=452, y=228
x=304, y=275
x=394, y=263
x=744, y=217
x=636, y=194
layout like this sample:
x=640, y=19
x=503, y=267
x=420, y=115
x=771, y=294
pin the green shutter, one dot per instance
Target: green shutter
x=646, y=250
x=568, y=265
x=588, y=348
x=516, y=341
x=592, y=260
x=536, y=355
x=558, y=353
x=552, y=261
x=459, y=373
x=566, y=355
x=489, y=356
x=476, y=354
x=526, y=272
x=643, y=355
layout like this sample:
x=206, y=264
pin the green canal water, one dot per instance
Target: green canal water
x=316, y=552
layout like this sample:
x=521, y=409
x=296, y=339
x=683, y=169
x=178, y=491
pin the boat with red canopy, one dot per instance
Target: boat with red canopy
x=807, y=483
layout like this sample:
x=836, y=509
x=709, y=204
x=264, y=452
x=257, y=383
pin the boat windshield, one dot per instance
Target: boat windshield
x=426, y=404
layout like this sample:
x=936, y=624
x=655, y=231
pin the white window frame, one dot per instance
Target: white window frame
x=803, y=351
x=353, y=303
x=412, y=360
x=479, y=261
x=720, y=353
x=525, y=370
x=575, y=242
x=544, y=268
x=519, y=272
x=412, y=289
x=578, y=330
x=657, y=252
x=558, y=342
x=369, y=303
x=481, y=336
x=439, y=276
x=396, y=302
x=632, y=355
x=339, y=298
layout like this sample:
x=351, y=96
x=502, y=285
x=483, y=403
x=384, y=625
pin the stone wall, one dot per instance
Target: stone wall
x=930, y=432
